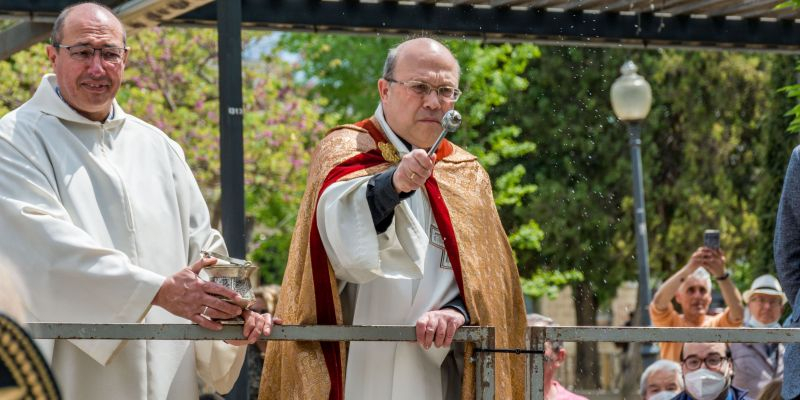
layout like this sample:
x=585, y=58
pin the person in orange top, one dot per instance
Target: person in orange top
x=691, y=288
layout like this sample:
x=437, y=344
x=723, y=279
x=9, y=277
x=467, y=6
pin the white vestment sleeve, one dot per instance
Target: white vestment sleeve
x=356, y=252
x=77, y=279
x=219, y=363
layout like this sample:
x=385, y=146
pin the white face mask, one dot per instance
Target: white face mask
x=704, y=384
x=754, y=323
x=664, y=395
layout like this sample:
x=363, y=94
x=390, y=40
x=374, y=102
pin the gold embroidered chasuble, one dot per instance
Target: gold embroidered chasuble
x=489, y=281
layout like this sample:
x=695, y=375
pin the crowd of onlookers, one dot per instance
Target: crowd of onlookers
x=716, y=370
x=707, y=371
x=703, y=371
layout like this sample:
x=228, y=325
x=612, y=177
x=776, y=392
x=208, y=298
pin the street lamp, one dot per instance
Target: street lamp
x=631, y=98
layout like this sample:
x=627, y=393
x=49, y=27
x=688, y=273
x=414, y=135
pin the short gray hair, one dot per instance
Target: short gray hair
x=391, y=61
x=57, y=34
x=660, y=365
x=541, y=320
x=703, y=275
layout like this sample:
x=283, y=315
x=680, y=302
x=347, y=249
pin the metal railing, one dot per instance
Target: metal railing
x=483, y=337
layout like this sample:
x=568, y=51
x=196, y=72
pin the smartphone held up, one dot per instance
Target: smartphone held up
x=711, y=239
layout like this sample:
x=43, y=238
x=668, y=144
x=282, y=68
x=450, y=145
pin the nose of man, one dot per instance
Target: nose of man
x=96, y=67
x=432, y=100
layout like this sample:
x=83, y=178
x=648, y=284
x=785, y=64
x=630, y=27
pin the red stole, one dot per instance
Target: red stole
x=323, y=292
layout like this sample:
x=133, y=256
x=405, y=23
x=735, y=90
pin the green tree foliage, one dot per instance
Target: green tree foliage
x=21, y=73
x=793, y=90
x=774, y=146
x=342, y=69
x=580, y=167
x=171, y=82
x=581, y=171
x=698, y=150
x=549, y=283
x=699, y=146
x=712, y=108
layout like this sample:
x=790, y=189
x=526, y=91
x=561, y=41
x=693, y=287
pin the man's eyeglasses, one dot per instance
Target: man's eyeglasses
x=712, y=361
x=448, y=93
x=775, y=302
x=82, y=52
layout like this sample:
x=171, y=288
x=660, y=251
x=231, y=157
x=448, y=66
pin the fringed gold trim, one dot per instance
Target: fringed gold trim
x=25, y=363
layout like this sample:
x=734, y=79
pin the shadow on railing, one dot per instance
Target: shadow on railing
x=483, y=337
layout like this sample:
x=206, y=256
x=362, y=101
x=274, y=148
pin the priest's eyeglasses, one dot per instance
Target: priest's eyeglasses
x=447, y=93
x=82, y=52
x=712, y=361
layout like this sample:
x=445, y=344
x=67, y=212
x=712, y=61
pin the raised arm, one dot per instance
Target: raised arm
x=714, y=261
x=391, y=243
x=667, y=291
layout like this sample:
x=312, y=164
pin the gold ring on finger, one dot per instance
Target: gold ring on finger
x=412, y=175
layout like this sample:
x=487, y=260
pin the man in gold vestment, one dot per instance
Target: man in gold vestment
x=388, y=235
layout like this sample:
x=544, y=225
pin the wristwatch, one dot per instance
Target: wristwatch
x=724, y=276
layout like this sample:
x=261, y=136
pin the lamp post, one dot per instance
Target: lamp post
x=631, y=98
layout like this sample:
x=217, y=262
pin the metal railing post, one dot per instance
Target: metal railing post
x=484, y=366
x=534, y=377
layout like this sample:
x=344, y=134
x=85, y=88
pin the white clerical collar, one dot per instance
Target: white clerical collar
x=393, y=138
x=110, y=114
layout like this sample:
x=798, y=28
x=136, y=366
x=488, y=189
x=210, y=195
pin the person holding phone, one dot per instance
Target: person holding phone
x=690, y=286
